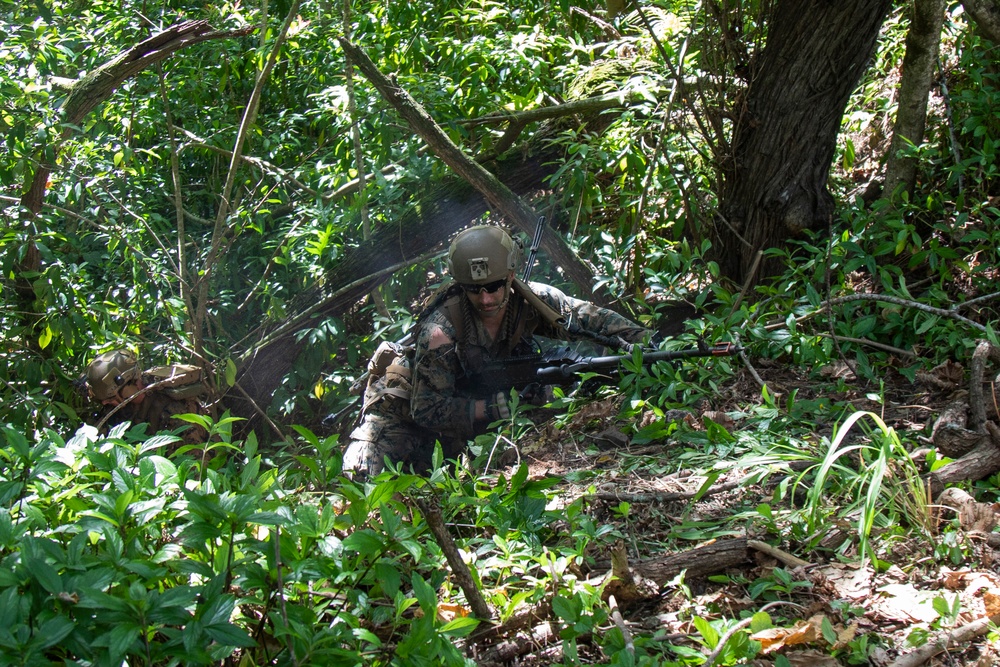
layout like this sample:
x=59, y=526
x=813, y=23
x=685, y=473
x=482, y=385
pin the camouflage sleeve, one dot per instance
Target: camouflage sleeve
x=587, y=316
x=434, y=403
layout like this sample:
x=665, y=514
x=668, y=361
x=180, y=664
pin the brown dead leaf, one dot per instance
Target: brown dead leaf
x=851, y=582
x=803, y=632
x=837, y=369
x=846, y=635
x=904, y=603
x=449, y=612
x=991, y=600
x=947, y=376
x=720, y=418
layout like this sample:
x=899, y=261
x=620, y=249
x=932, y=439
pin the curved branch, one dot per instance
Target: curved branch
x=909, y=304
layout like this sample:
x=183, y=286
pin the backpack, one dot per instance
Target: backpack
x=179, y=381
x=389, y=377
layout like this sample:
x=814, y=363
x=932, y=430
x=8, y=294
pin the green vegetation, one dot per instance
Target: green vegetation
x=253, y=549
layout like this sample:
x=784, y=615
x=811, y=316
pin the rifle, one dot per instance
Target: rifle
x=560, y=367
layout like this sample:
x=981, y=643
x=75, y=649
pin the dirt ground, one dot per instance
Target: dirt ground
x=904, y=600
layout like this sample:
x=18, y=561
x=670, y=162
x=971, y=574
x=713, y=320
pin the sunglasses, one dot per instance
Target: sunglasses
x=489, y=288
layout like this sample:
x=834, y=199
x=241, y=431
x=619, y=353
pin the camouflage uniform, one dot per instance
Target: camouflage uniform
x=442, y=402
x=158, y=410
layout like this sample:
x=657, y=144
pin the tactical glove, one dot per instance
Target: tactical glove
x=498, y=409
x=536, y=394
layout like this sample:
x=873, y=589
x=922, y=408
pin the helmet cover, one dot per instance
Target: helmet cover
x=111, y=371
x=482, y=254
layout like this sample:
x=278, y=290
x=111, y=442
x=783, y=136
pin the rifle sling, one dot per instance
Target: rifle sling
x=544, y=309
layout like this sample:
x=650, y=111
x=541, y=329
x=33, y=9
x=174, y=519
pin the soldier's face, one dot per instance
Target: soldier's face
x=490, y=304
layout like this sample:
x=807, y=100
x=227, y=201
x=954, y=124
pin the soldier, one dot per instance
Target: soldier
x=487, y=314
x=154, y=396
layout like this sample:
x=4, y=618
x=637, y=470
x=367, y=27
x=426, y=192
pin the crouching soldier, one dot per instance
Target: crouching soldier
x=154, y=396
x=427, y=393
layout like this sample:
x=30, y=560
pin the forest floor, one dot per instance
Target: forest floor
x=836, y=608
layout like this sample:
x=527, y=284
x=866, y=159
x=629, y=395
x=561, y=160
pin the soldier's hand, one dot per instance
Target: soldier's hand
x=497, y=407
x=536, y=394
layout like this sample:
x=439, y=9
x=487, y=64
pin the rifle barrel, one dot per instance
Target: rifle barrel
x=566, y=370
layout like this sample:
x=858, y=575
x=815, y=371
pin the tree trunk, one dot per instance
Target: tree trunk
x=923, y=43
x=774, y=185
x=986, y=14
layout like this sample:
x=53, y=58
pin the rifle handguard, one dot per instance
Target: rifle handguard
x=555, y=374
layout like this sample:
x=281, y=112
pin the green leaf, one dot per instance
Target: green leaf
x=388, y=578
x=708, y=633
x=564, y=608
x=120, y=640
x=426, y=596
x=829, y=634
x=45, y=338
x=55, y=630
x=46, y=575
x=365, y=542
x=460, y=626
x=230, y=372
x=761, y=621
x=228, y=634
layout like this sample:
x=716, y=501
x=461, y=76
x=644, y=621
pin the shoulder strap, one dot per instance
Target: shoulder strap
x=453, y=311
x=545, y=310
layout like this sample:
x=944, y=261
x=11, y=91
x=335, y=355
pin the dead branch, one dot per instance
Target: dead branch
x=907, y=303
x=587, y=105
x=777, y=554
x=943, y=640
x=666, y=497
x=977, y=369
x=698, y=562
x=432, y=514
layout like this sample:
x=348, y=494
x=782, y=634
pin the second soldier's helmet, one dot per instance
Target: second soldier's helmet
x=482, y=254
x=111, y=371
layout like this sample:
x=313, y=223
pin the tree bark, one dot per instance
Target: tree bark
x=986, y=14
x=923, y=42
x=773, y=186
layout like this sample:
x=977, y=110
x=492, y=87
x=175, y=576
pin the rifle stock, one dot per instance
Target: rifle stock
x=520, y=372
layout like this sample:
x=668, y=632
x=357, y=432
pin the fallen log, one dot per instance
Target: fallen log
x=698, y=562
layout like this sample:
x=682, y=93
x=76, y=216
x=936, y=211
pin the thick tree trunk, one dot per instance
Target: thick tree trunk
x=923, y=43
x=774, y=185
x=986, y=14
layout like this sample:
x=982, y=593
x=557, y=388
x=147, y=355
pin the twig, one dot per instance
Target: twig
x=616, y=616
x=941, y=642
x=747, y=281
x=320, y=303
x=221, y=231
x=667, y=497
x=141, y=392
x=828, y=279
x=907, y=303
x=714, y=655
x=977, y=300
x=281, y=589
x=432, y=515
x=776, y=553
x=871, y=343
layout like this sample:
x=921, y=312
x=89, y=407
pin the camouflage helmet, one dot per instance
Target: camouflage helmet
x=482, y=254
x=111, y=371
